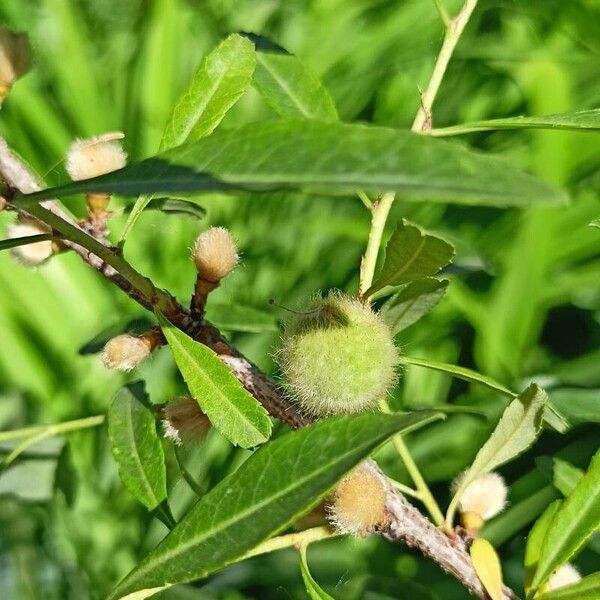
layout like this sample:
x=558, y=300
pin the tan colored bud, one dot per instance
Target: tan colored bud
x=15, y=58
x=358, y=505
x=30, y=254
x=215, y=254
x=184, y=421
x=565, y=575
x=124, y=352
x=95, y=156
x=484, y=497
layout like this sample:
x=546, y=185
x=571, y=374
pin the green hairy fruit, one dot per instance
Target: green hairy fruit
x=338, y=357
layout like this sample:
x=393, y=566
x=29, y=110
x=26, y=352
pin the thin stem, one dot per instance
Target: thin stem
x=380, y=209
x=189, y=478
x=364, y=198
x=453, y=32
x=443, y=14
x=407, y=491
x=301, y=538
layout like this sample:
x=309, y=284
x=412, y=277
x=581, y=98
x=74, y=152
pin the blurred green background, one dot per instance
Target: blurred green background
x=524, y=302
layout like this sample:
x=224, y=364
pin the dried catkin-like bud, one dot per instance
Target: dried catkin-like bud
x=481, y=500
x=215, y=254
x=338, y=357
x=125, y=351
x=565, y=575
x=95, y=156
x=183, y=421
x=15, y=58
x=358, y=505
x=30, y=254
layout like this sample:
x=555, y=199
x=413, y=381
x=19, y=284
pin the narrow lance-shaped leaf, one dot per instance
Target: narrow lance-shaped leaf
x=576, y=520
x=516, y=431
x=313, y=589
x=412, y=302
x=230, y=408
x=565, y=476
x=330, y=158
x=487, y=566
x=535, y=542
x=410, y=255
x=136, y=447
x=586, y=589
x=584, y=120
x=291, y=89
x=278, y=483
x=235, y=317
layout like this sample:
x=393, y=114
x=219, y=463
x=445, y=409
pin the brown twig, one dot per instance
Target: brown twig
x=405, y=524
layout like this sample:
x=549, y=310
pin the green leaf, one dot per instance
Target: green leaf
x=411, y=255
x=291, y=89
x=583, y=120
x=565, y=476
x=535, y=542
x=516, y=431
x=458, y=372
x=576, y=405
x=95, y=345
x=177, y=206
x=331, y=158
x=230, y=408
x=313, y=589
x=575, y=521
x=136, y=447
x=221, y=79
x=412, y=302
x=487, y=566
x=277, y=484
x=586, y=589
x=24, y=240
x=595, y=223
x=235, y=317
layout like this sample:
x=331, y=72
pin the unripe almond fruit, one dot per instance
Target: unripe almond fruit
x=338, y=357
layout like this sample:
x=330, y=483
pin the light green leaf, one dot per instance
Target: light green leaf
x=291, y=89
x=235, y=317
x=487, y=566
x=458, y=372
x=136, y=447
x=583, y=120
x=565, y=476
x=410, y=255
x=278, y=483
x=535, y=542
x=576, y=405
x=24, y=240
x=313, y=589
x=586, y=589
x=230, y=408
x=331, y=158
x=412, y=302
x=575, y=521
x=221, y=79
x=595, y=223
x=516, y=431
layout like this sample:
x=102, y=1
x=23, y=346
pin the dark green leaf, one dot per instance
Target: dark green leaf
x=332, y=158
x=281, y=481
x=586, y=589
x=178, y=206
x=291, y=89
x=235, y=317
x=576, y=520
x=313, y=589
x=412, y=302
x=136, y=447
x=582, y=120
x=230, y=408
x=24, y=241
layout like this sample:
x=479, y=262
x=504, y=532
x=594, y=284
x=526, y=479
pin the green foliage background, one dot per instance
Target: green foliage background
x=523, y=302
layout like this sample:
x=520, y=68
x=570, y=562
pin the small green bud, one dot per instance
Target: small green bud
x=338, y=357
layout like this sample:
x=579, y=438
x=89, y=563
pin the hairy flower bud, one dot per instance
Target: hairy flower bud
x=358, y=505
x=481, y=500
x=30, y=254
x=95, y=156
x=15, y=58
x=184, y=421
x=215, y=254
x=338, y=357
x=565, y=575
x=125, y=351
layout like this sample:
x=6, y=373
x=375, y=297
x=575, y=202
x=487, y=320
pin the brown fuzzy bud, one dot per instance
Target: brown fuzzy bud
x=124, y=352
x=215, y=254
x=95, y=156
x=15, y=59
x=30, y=254
x=184, y=421
x=358, y=505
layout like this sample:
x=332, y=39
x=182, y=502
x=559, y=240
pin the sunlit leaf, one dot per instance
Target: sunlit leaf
x=487, y=566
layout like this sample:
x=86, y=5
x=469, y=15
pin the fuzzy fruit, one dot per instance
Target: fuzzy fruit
x=338, y=357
